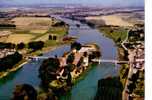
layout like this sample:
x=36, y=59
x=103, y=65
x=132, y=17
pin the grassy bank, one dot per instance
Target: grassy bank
x=123, y=73
x=84, y=74
x=117, y=34
x=15, y=68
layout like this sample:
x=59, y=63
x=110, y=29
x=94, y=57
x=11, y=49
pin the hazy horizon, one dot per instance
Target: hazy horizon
x=115, y=3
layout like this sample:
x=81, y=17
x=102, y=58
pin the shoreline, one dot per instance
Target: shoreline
x=17, y=67
x=4, y=74
x=75, y=76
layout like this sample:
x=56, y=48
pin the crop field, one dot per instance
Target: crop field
x=17, y=38
x=38, y=31
x=111, y=20
x=32, y=22
x=114, y=33
x=34, y=29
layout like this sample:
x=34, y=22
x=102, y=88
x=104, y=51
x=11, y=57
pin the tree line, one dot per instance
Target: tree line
x=9, y=61
x=34, y=45
x=7, y=25
x=109, y=89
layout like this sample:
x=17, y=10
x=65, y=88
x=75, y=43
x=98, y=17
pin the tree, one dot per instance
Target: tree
x=76, y=46
x=70, y=67
x=36, y=45
x=11, y=45
x=8, y=25
x=109, y=89
x=95, y=54
x=135, y=77
x=7, y=45
x=24, y=92
x=50, y=37
x=69, y=79
x=131, y=87
x=58, y=24
x=47, y=71
x=20, y=45
x=80, y=62
x=92, y=25
x=54, y=37
x=70, y=58
x=118, y=40
x=9, y=61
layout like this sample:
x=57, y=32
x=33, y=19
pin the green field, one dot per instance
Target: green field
x=123, y=73
x=118, y=34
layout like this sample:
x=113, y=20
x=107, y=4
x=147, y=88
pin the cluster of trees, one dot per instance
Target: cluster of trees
x=28, y=92
x=7, y=45
x=20, y=46
x=136, y=85
x=76, y=46
x=132, y=85
x=70, y=58
x=7, y=25
x=9, y=61
x=11, y=45
x=47, y=71
x=52, y=37
x=24, y=92
x=36, y=45
x=135, y=35
x=80, y=62
x=59, y=24
x=95, y=54
x=92, y=25
x=109, y=89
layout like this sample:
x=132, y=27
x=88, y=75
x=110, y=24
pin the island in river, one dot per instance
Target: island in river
x=60, y=73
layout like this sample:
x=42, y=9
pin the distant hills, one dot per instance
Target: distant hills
x=3, y=5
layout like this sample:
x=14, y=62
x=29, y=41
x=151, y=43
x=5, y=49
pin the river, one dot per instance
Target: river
x=82, y=90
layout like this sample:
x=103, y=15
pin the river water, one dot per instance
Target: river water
x=82, y=90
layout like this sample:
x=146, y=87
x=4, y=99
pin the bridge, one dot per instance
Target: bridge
x=116, y=61
x=85, y=28
x=36, y=58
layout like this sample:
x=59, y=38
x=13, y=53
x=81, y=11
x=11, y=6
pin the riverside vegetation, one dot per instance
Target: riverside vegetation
x=36, y=46
x=58, y=78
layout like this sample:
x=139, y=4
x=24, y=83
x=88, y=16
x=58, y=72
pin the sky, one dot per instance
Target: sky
x=85, y=2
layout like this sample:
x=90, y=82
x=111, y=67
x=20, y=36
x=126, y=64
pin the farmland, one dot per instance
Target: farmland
x=17, y=38
x=32, y=22
x=33, y=29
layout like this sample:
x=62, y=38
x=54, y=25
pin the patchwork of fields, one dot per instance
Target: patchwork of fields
x=33, y=29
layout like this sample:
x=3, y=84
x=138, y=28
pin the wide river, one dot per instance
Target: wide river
x=84, y=89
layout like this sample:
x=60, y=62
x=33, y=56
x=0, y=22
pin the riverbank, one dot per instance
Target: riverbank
x=116, y=33
x=60, y=30
x=24, y=61
x=133, y=83
x=15, y=68
x=124, y=68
